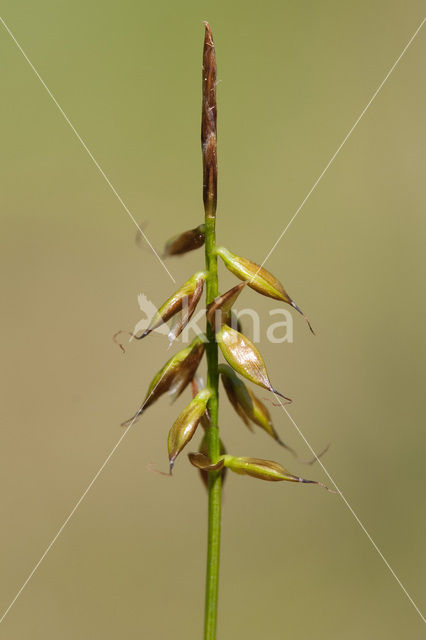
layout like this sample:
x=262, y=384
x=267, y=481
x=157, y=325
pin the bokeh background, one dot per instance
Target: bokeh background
x=294, y=77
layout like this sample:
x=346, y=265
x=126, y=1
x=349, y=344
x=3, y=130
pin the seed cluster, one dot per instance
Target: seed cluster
x=242, y=357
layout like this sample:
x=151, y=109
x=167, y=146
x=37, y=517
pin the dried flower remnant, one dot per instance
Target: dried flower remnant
x=244, y=358
x=247, y=405
x=219, y=311
x=258, y=278
x=185, y=425
x=183, y=300
x=185, y=242
x=173, y=377
x=204, y=450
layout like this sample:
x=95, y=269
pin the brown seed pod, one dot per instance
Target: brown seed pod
x=173, y=377
x=185, y=242
x=183, y=300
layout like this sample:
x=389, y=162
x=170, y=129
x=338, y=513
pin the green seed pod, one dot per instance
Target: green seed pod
x=263, y=470
x=184, y=242
x=184, y=427
x=174, y=377
x=184, y=299
x=248, y=406
x=243, y=356
x=257, y=278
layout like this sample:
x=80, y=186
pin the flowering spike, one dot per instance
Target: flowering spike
x=243, y=356
x=263, y=470
x=257, y=278
x=184, y=427
x=173, y=378
x=248, y=406
x=184, y=242
x=185, y=298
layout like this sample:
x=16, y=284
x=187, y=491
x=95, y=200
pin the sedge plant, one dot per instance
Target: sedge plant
x=243, y=362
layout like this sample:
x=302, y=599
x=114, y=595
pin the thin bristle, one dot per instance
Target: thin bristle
x=299, y=310
x=277, y=393
x=283, y=444
x=320, y=484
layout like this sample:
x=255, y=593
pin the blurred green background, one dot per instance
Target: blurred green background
x=294, y=77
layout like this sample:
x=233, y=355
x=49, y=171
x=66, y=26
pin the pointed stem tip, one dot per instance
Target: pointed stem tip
x=208, y=125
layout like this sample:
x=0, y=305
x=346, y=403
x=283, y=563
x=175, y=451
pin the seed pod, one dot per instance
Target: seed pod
x=184, y=427
x=248, y=406
x=257, y=278
x=184, y=242
x=243, y=356
x=173, y=378
x=185, y=300
x=204, y=450
x=263, y=470
x=219, y=311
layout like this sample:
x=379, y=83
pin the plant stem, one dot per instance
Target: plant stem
x=208, y=142
x=215, y=479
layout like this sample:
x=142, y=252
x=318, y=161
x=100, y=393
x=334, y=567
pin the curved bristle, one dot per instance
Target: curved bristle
x=283, y=444
x=316, y=457
x=320, y=484
x=299, y=310
x=150, y=467
x=114, y=339
x=130, y=421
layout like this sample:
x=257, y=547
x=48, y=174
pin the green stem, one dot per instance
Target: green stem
x=215, y=479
